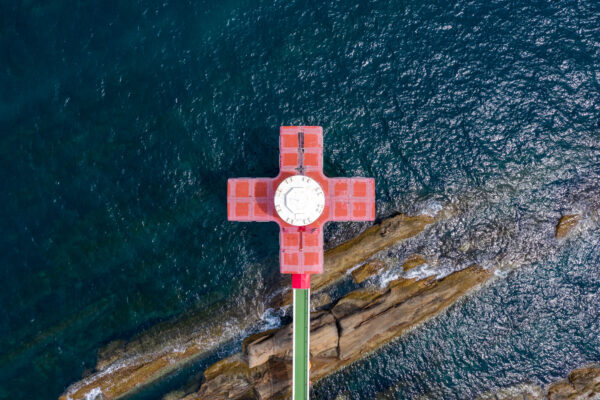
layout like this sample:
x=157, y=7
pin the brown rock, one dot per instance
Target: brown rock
x=275, y=381
x=358, y=323
x=227, y=379
x=343, y=257
x=355, y=302
x=582, y=383
x=368, y=270
x=394, y=313
x=565, y=224
x=278, y=343
x=151, y=355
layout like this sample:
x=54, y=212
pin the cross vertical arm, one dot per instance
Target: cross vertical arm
x=301, y=149
x=301, y=250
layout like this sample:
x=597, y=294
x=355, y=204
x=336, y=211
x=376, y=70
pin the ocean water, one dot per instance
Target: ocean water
x=121, y=121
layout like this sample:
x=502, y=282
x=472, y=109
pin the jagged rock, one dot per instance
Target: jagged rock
x=110, y=353
x=227, y=379
x=357, y=324
x=393, y=312
x=375, y=267
x=323, y=341
x=565, y=224
x=582, y=384
x=339, y=259
x=319, y=300
x=275, y=380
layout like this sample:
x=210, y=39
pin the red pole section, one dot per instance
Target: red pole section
x=300, y=281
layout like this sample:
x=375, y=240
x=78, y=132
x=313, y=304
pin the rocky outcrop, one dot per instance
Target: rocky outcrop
x=355, y=251
x=357, y=324
x=124, y=367
x=581, y=384
x=565, y=224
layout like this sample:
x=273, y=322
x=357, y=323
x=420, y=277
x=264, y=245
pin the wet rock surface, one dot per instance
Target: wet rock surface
x=125, y=366
x=356, y=325
x=565, y=224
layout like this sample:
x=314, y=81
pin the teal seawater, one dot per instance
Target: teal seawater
x=121, y=121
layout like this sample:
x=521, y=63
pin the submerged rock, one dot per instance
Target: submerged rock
x=528, y=391
x=581, y=384
x=565, y=224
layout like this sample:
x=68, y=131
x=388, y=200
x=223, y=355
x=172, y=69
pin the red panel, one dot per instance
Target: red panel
x=261, y=209
x=340, y=210
x=242, y=189
x=359, y=189
x=311, y=239
x=289, y=160
x=290, y=239
x=242, y=209
x=290, y=259
x=290, y=140
x=261, y=189
x=312, y=140
x=313, y=148
x=359, y=209
x=311, y=159
x=340, y=187
x=311, y=259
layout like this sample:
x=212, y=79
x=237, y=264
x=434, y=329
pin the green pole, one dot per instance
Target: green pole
x=301, y=344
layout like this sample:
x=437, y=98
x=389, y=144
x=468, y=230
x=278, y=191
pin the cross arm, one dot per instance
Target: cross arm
x=301, y=250
x=250, y=199
x=351, y=199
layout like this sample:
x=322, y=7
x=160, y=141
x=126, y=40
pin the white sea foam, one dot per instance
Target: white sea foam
x=384, y=279
x=350, y=270
x=421, y=272
x=94, y=394
x=271, y=318
x=431, y=208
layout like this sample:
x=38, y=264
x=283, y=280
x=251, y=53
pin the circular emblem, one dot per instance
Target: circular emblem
x=299, y=200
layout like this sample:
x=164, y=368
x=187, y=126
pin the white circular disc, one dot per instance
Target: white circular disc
x=299, y=200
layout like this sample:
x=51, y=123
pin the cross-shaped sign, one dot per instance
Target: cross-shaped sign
x=301, y=199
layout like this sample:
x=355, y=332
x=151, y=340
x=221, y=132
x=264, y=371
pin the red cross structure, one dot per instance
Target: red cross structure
x=345, y=199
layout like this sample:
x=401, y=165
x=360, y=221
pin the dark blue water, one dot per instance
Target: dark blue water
x=122, y=120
